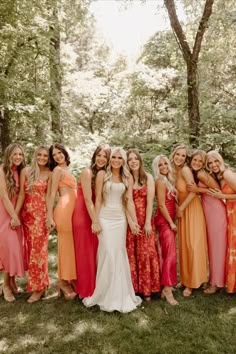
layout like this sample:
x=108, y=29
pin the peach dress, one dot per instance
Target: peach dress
x=63, y=219
x=192, y=240
x=231, y=251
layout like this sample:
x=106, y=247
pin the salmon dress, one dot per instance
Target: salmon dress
x=11, y=240
x=142, y=250
x=63, y=220
x=86, y=244
x=192, y=240
x=167, y=242
x=216, y=236
x=231, y=250
x=36, y=235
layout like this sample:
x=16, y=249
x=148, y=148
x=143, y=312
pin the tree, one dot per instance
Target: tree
x=191, y=58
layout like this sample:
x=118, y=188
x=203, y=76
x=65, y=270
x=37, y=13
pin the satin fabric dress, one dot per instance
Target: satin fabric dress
x=86, y=244
x=11, y=240
x=167, y=242
x=114, y=289
x=63, y=219
x=143, y=251
x=191, y=240
x=216, y=222
x=36, y=235
x=231, y=235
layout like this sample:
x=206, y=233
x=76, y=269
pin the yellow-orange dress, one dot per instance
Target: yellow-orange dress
x=63, y=220
x=192, y=240
x=231, y=249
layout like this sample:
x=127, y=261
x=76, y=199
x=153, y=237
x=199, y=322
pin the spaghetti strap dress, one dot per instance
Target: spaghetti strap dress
x=63, y=220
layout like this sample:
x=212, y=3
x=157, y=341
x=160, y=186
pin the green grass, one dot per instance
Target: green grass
x=200, y=324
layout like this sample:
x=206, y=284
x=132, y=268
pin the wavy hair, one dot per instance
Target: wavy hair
x=175, y=149
x=7, y=168
x=223, y=165
x=203, y=156
x=169, y=179
x=52, y=163
x=93, y=166
x=34, y=170
x=142, y=175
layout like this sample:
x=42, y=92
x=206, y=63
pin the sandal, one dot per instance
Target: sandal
x=36, y=296
x=66, y=289
x=212, y=289
x=7, y=293
x=16, y=289
x=169, y=298
x=187, y=292
x=179, y=285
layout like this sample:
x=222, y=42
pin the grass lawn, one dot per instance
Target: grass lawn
x=200, y=324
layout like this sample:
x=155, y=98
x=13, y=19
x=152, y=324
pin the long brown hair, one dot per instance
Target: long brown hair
x=52, y=163
x=7, y=168
x=93, y=166
x=142, y=175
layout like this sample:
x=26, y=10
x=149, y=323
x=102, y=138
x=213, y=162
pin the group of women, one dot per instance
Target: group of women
x=108, y=252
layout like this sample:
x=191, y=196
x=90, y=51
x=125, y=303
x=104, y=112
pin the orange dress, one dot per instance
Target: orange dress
x=231, y=249
x=192, y=240
x=63, y=220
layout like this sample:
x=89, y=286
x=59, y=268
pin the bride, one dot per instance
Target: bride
x=114, y=290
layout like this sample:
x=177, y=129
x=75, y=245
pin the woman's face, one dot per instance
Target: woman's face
x=163, y=167
x=101, y=159
x=133, y=162
x=180, y=157
x=197, y=163
x=42, y=157
x=58, y=156
x=116, y=160
x=17, y=157
x=213, y=164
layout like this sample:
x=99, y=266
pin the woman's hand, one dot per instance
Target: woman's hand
x=96, y=228
x=192, y=187
x=179, y=212
x=173, y=226
x=15, y=222
x=50, y=224
x=147, y=229
x=135, y=228
x=215, y=193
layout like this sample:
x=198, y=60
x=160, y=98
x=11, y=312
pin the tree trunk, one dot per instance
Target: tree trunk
x=193, y=104
x=4, y=128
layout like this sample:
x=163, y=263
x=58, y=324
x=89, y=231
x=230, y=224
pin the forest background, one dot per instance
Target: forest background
x=60, y=82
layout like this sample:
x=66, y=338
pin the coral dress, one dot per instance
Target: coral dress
x=114, y=289
x=11, y=241
x=167, y=242
x=63, y=219
x=216, y=222
x=36, y=235
x=86, y=244
x=231, y=250
x=142, y=250
x=192, y=240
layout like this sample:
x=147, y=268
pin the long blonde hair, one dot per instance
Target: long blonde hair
x=175, y=149
x=223, y=165
x=7, y=168
x=34, y=170
x=169, y=179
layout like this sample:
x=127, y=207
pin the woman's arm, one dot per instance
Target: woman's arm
x=21, y=196
x=99, y=182
x=56, y=176
x=86, y=183
x=206, y=179
x=130, y=209
x=6, y=201
x=149, y=207
x=230, y=178
x=161, y=201
x=188, y=177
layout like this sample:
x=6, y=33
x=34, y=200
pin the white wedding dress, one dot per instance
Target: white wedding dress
x=114, y=289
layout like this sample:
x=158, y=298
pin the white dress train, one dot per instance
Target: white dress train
x=114, y=289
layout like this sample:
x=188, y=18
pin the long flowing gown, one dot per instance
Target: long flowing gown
x=36, y=235
x=216, y=222
x=192, y=240
x=167, y=242
x=63, y=219
x=86, y=244
x=114, y=290
x=11, y=240
x=142, y=250
x=231, y=233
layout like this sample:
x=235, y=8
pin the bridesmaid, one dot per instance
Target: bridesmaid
x=164, y=221
x=34, y=188
x=191, y=226
x=11, y=238
x=84, y=218
x=64, y=184
x=216, y=226
x=142, y=249
x=227, y=179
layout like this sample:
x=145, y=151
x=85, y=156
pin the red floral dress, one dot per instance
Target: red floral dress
x=36, y=235
x=142, y=250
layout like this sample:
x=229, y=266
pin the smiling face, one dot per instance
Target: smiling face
x=180, y=157
x=213, y=164
x=17, y=157
x=58, y=157
x=116, y=160
x=101, y=159
x=42, y=157
x=163, y=167
x=133, y=162
x=197, y=162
